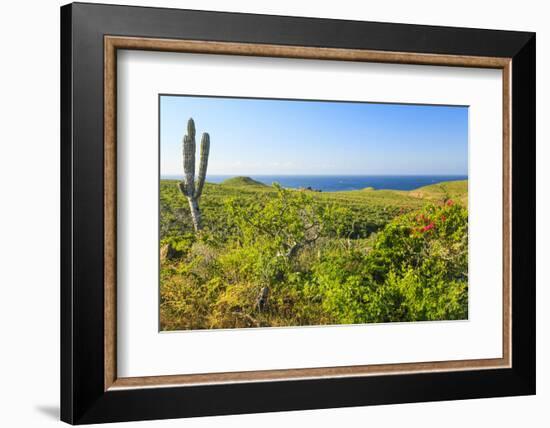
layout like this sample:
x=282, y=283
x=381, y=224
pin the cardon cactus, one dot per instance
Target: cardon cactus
x=192, y=190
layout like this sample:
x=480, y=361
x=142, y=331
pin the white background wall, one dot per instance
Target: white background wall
x=29, y=213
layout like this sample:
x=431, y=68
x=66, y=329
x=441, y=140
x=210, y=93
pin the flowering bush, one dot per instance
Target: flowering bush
x=417, y=270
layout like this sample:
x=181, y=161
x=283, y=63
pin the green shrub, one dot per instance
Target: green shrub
x=416, y=270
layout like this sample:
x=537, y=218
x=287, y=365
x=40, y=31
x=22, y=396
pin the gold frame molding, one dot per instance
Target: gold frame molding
x=113, y=43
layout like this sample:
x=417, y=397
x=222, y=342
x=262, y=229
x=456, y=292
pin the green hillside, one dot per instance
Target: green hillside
x=323, y=257
x=242, y=182
x=456, y=190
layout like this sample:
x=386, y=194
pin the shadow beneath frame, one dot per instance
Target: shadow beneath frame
x=50, y=411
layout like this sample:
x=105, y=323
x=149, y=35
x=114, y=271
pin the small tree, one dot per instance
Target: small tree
x=191, y=190
x=285, y=222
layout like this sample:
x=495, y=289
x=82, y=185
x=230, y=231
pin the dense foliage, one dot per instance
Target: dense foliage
x=274, y=257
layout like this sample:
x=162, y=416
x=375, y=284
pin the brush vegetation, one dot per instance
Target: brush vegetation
x=266, y=256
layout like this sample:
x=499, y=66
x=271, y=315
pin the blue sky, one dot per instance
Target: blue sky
x=281, y=137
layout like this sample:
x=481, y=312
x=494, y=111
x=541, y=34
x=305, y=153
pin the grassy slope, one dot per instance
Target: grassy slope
x=242, y=182
x=457, y=190
x=372, y=208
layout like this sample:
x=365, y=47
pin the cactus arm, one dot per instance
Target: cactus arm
x=191, y=128
x=205, y=150
x=189, y=157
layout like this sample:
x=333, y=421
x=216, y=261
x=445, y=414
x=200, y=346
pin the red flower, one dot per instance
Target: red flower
x=450, y=202
x=443, y=218
x=428, y=227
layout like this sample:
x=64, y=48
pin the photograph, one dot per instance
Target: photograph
x=292, y=213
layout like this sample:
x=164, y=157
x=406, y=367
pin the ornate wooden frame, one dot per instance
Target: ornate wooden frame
x=112, y=43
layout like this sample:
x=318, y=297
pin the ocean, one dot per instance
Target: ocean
x=335, y=183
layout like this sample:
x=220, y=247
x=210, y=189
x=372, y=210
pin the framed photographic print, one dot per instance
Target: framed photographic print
x=266, y=213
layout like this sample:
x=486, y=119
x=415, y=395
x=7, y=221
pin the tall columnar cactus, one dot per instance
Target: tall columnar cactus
x=191, y=190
